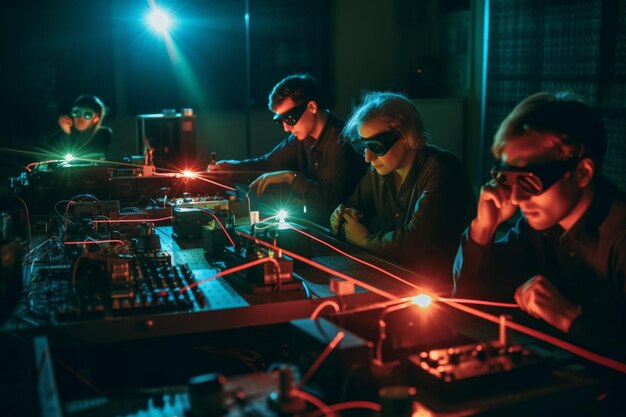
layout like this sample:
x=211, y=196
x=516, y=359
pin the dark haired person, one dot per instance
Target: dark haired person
x=564, y=262
x=317, y=165
x=82, y=132
x=414, y=202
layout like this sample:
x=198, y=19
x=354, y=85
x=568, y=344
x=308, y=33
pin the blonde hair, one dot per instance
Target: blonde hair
x=393, y=109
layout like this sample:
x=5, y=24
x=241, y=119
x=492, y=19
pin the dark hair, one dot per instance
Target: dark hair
x=572, y=124
x=301, y=88
x=397, y=111
x=91, y=102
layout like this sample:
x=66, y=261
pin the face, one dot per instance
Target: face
x=306, y=124
x=83, y=118
x=393, y=158
x=555, y=203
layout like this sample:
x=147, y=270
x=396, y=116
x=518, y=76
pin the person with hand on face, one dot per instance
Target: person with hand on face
x=565, y=260
x=313, y=161
x=82, y=133
x=414, y=202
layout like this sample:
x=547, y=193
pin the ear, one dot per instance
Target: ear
x=96, y=118
x=312, y=106
x=584, y=172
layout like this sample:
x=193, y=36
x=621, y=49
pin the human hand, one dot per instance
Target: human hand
x=65, y=122
x=354, y=230
x=336, y=218
x=539, y=298
x=260, y=184
x=494, y=207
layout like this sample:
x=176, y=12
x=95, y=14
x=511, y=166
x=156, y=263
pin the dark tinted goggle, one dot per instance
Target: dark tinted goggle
x=378, y=144
x=84, y=113
x=532, y=179
x=291, y=116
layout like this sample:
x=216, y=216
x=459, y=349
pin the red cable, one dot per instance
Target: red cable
x=216, y=183
x=479, y=302
x=584, y=353
x=322, y=267
x=232, y=242
x=133, y=220
x=93, y=242
x=318, y=361
x=348, y=405
x=363, y=262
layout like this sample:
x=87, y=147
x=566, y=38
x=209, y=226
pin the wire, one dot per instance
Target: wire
x=382, y=328
x=28, y=226
x=325, y=409
x=321, y=358
x=94, y=242
x=354, y=258
x=73, y=372
x=478, y=302
x=230, y=239
x=361, y=284
x=583, y=353
x=214, y=183
x=586, y=354
x=348, y=405
x=322, y=306
x=144, y=220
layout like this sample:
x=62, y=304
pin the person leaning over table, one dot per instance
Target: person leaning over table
x=415, y=199
x=320, y=169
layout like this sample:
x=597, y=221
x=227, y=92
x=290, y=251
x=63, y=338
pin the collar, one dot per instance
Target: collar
x=586, y=229
x=416, y=168
x=321, y=143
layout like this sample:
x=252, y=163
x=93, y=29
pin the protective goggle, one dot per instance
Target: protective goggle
x=378, y=144
x=86, y=114
x=291, y=116
x=532, y=179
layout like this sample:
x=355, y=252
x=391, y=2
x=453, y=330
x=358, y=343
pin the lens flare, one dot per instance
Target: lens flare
x=422, y=300
x=159, y=21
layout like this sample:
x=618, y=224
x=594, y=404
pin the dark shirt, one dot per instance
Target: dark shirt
x=327, y=169
x=587, y=265
x=420, y=225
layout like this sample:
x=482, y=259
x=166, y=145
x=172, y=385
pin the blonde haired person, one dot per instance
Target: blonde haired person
x=415, y=200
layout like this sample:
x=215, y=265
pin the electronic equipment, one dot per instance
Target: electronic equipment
x=170, y=138
x=345, y=374
x=458, y=371
x=120, y=286
x=190, y=214
x=281, y=234
x=261, y=278
x=48, y=183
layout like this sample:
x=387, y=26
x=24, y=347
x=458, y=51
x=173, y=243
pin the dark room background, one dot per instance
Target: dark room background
x=486, y=54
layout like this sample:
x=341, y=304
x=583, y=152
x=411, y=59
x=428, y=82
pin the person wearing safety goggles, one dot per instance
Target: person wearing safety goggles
x=564, y=262
x=83, y=134
x=312, y=161
x=415, y=200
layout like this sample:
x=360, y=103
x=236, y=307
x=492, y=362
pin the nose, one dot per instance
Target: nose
x=518, y=195
x=369, y=155
x=287, y=127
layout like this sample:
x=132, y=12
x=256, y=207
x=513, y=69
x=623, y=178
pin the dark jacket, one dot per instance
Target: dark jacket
x=419, y=226
x=587, y=265
x=327, y=169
